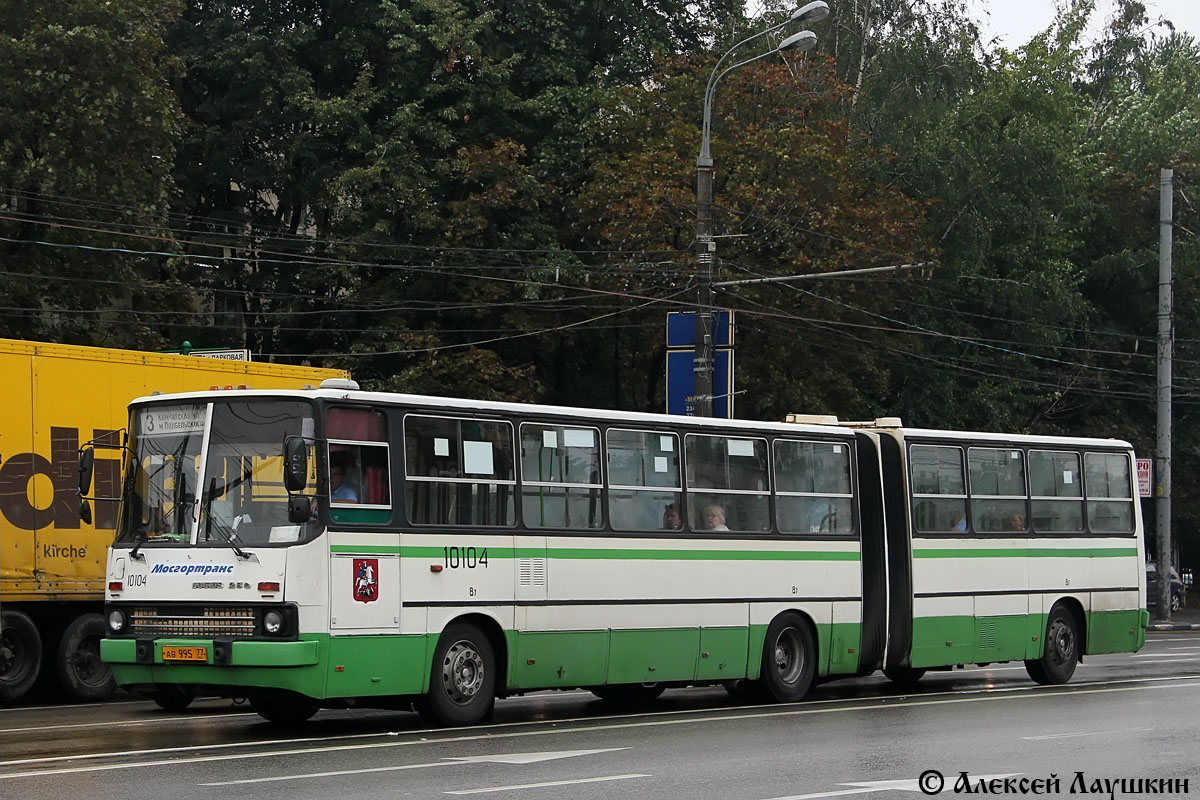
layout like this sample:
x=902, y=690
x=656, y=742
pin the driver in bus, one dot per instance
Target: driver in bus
x=339, y=490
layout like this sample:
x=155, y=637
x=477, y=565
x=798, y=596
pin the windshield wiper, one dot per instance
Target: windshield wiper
x=178, y=498
x=226, y=532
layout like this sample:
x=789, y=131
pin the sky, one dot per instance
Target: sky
x=1016, y=21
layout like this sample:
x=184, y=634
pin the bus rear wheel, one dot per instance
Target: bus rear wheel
x=462, y=683
x=789, y=659
x=1061, y=652
x=20, y=654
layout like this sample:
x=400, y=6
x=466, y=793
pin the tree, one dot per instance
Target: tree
x=792, y=196
x=87, y=143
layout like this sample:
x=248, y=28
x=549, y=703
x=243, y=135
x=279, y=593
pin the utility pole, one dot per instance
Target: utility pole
x=706, y=246
x=1163, y=465
x=706, y=254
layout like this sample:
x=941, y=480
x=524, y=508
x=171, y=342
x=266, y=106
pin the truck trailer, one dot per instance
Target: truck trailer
x=53, y=399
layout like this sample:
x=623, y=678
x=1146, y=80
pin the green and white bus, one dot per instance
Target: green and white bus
x=334, y=547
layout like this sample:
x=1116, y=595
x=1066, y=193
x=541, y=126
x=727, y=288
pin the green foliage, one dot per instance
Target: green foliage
x=87, y=141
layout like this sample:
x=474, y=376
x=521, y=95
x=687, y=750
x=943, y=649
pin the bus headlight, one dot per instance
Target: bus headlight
x=116, y=621
x=272, y=623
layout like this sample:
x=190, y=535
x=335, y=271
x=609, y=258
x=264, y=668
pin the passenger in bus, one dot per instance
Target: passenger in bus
x=672, y=519
x=339, y=490
x=1016, y=521
x=957, y=521
x=714, y=516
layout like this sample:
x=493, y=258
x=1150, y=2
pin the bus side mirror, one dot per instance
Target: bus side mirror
x=295, y=464
x=299, y=509
x=87, y=463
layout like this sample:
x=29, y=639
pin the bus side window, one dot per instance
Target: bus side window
x=1056, y=490
x=643, y=479
x=1109, y=492
x=813, y=488
x=938, y=488
x=727, y=483
x=560, y=476
x=459, y=471
x=998, y=492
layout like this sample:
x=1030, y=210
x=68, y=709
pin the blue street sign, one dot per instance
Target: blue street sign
x=681, y=383
x=681, y=328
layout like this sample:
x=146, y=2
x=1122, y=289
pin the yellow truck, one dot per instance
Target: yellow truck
x=53, y=398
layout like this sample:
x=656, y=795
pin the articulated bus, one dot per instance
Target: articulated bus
x=334, y=547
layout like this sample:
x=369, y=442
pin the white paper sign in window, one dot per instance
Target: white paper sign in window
x=741, y=447
x=441, y=447
x=1067, y=479
x=660, y=463
x=550, y=439
x=477, y=458
x=666, y=443
x=837, y=448
x=578, y=437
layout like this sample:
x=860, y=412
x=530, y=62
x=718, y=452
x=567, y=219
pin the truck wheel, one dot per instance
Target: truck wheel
x=80, y=671
x=20, y=654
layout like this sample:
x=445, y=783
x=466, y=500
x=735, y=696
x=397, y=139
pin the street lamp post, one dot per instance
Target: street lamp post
x=706, y=246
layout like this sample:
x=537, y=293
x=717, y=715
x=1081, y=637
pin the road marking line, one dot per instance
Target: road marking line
x=795, y=710
x=1084, y=733
x=1162, y=655
x=864, y=787
x=549, y=783
x=511, y=758
x=125, y=724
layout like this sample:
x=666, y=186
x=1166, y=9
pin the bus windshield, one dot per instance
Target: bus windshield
x=239, y=499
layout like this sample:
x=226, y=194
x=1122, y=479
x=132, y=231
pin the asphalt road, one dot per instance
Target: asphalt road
x=1122, y=717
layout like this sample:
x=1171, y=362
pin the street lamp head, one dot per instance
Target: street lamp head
x=815, y=11
x=798, y=42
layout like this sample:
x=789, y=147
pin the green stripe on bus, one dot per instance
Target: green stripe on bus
x=1034, y=552
x=566, y=553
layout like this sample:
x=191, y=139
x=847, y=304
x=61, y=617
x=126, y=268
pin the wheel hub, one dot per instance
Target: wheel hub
x=463, y=673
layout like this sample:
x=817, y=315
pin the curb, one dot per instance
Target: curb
x=1172, y=626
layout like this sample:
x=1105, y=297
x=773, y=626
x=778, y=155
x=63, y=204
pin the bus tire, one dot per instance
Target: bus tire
x=789, y=663
x=631, y=694
x=462, y=682
x=171, y=698
x=81, y=673
x=1060, y=654
x=287, y=709
x=904, y=677
x=20, y=654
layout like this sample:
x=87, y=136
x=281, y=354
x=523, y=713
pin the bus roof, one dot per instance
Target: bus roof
x=456, y=404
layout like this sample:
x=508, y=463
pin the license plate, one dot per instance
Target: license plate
x=185, y=653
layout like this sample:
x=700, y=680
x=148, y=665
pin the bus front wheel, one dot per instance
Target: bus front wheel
x=285, y=708
x=1061, y=651
x=462, y=683
x=789, y=659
